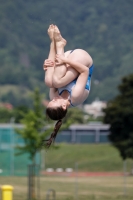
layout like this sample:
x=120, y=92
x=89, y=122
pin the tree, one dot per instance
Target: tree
x=119, y=114
x=5, y=115
x=24, y=43
x=33, y=132
x=19, y=112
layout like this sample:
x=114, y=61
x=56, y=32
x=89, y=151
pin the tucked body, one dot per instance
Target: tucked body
x=67, y=74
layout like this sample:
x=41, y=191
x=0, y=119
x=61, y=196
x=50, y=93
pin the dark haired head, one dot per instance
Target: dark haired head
x=57, y=113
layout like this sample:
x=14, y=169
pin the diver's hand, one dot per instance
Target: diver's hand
x=60, y=59
x=48, y=63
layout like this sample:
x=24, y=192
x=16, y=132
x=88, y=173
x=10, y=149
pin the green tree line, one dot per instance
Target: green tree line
x=103, y=28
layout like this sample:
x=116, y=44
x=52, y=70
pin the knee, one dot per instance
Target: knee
x=56, y=82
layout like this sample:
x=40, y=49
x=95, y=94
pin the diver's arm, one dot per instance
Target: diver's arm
x=75, y=64
x=52, y=93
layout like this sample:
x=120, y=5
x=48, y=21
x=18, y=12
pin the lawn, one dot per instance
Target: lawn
x=89, y=157
x=76, y=188
x=86, y=157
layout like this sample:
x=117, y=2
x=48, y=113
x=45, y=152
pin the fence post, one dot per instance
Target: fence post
x=76, y=181
x=48, y=194
x=125, y=176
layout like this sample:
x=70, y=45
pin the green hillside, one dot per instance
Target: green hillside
x=103, y=28
x=89, y=157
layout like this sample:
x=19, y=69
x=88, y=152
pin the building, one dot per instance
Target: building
x=95, y=108
x=89, y=133
x=94, y=132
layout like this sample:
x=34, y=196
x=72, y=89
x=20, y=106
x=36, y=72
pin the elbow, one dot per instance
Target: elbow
x=48, y=82
x=85, y=71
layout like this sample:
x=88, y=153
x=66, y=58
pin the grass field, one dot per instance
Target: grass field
x=76, y=188
x=90, y=157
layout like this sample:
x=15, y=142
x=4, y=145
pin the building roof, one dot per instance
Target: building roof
x=10, y=125
x=90, y=126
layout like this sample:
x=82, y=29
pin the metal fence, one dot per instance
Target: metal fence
x=11, y=164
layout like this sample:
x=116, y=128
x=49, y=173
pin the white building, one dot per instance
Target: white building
x=95, y=108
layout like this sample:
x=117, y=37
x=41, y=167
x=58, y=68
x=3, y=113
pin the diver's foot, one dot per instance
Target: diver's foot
x=51, y=32
x=59, y=40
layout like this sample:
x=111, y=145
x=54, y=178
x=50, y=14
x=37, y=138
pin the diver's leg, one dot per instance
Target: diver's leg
x=60, y=43
x=50, y=70
x=62, y=75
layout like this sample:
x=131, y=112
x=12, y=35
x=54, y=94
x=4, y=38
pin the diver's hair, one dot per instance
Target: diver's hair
x=56, y=113
x=53, y=134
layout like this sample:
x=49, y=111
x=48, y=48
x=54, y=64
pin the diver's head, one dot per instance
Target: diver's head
x=56, y=113
x=57, y=108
